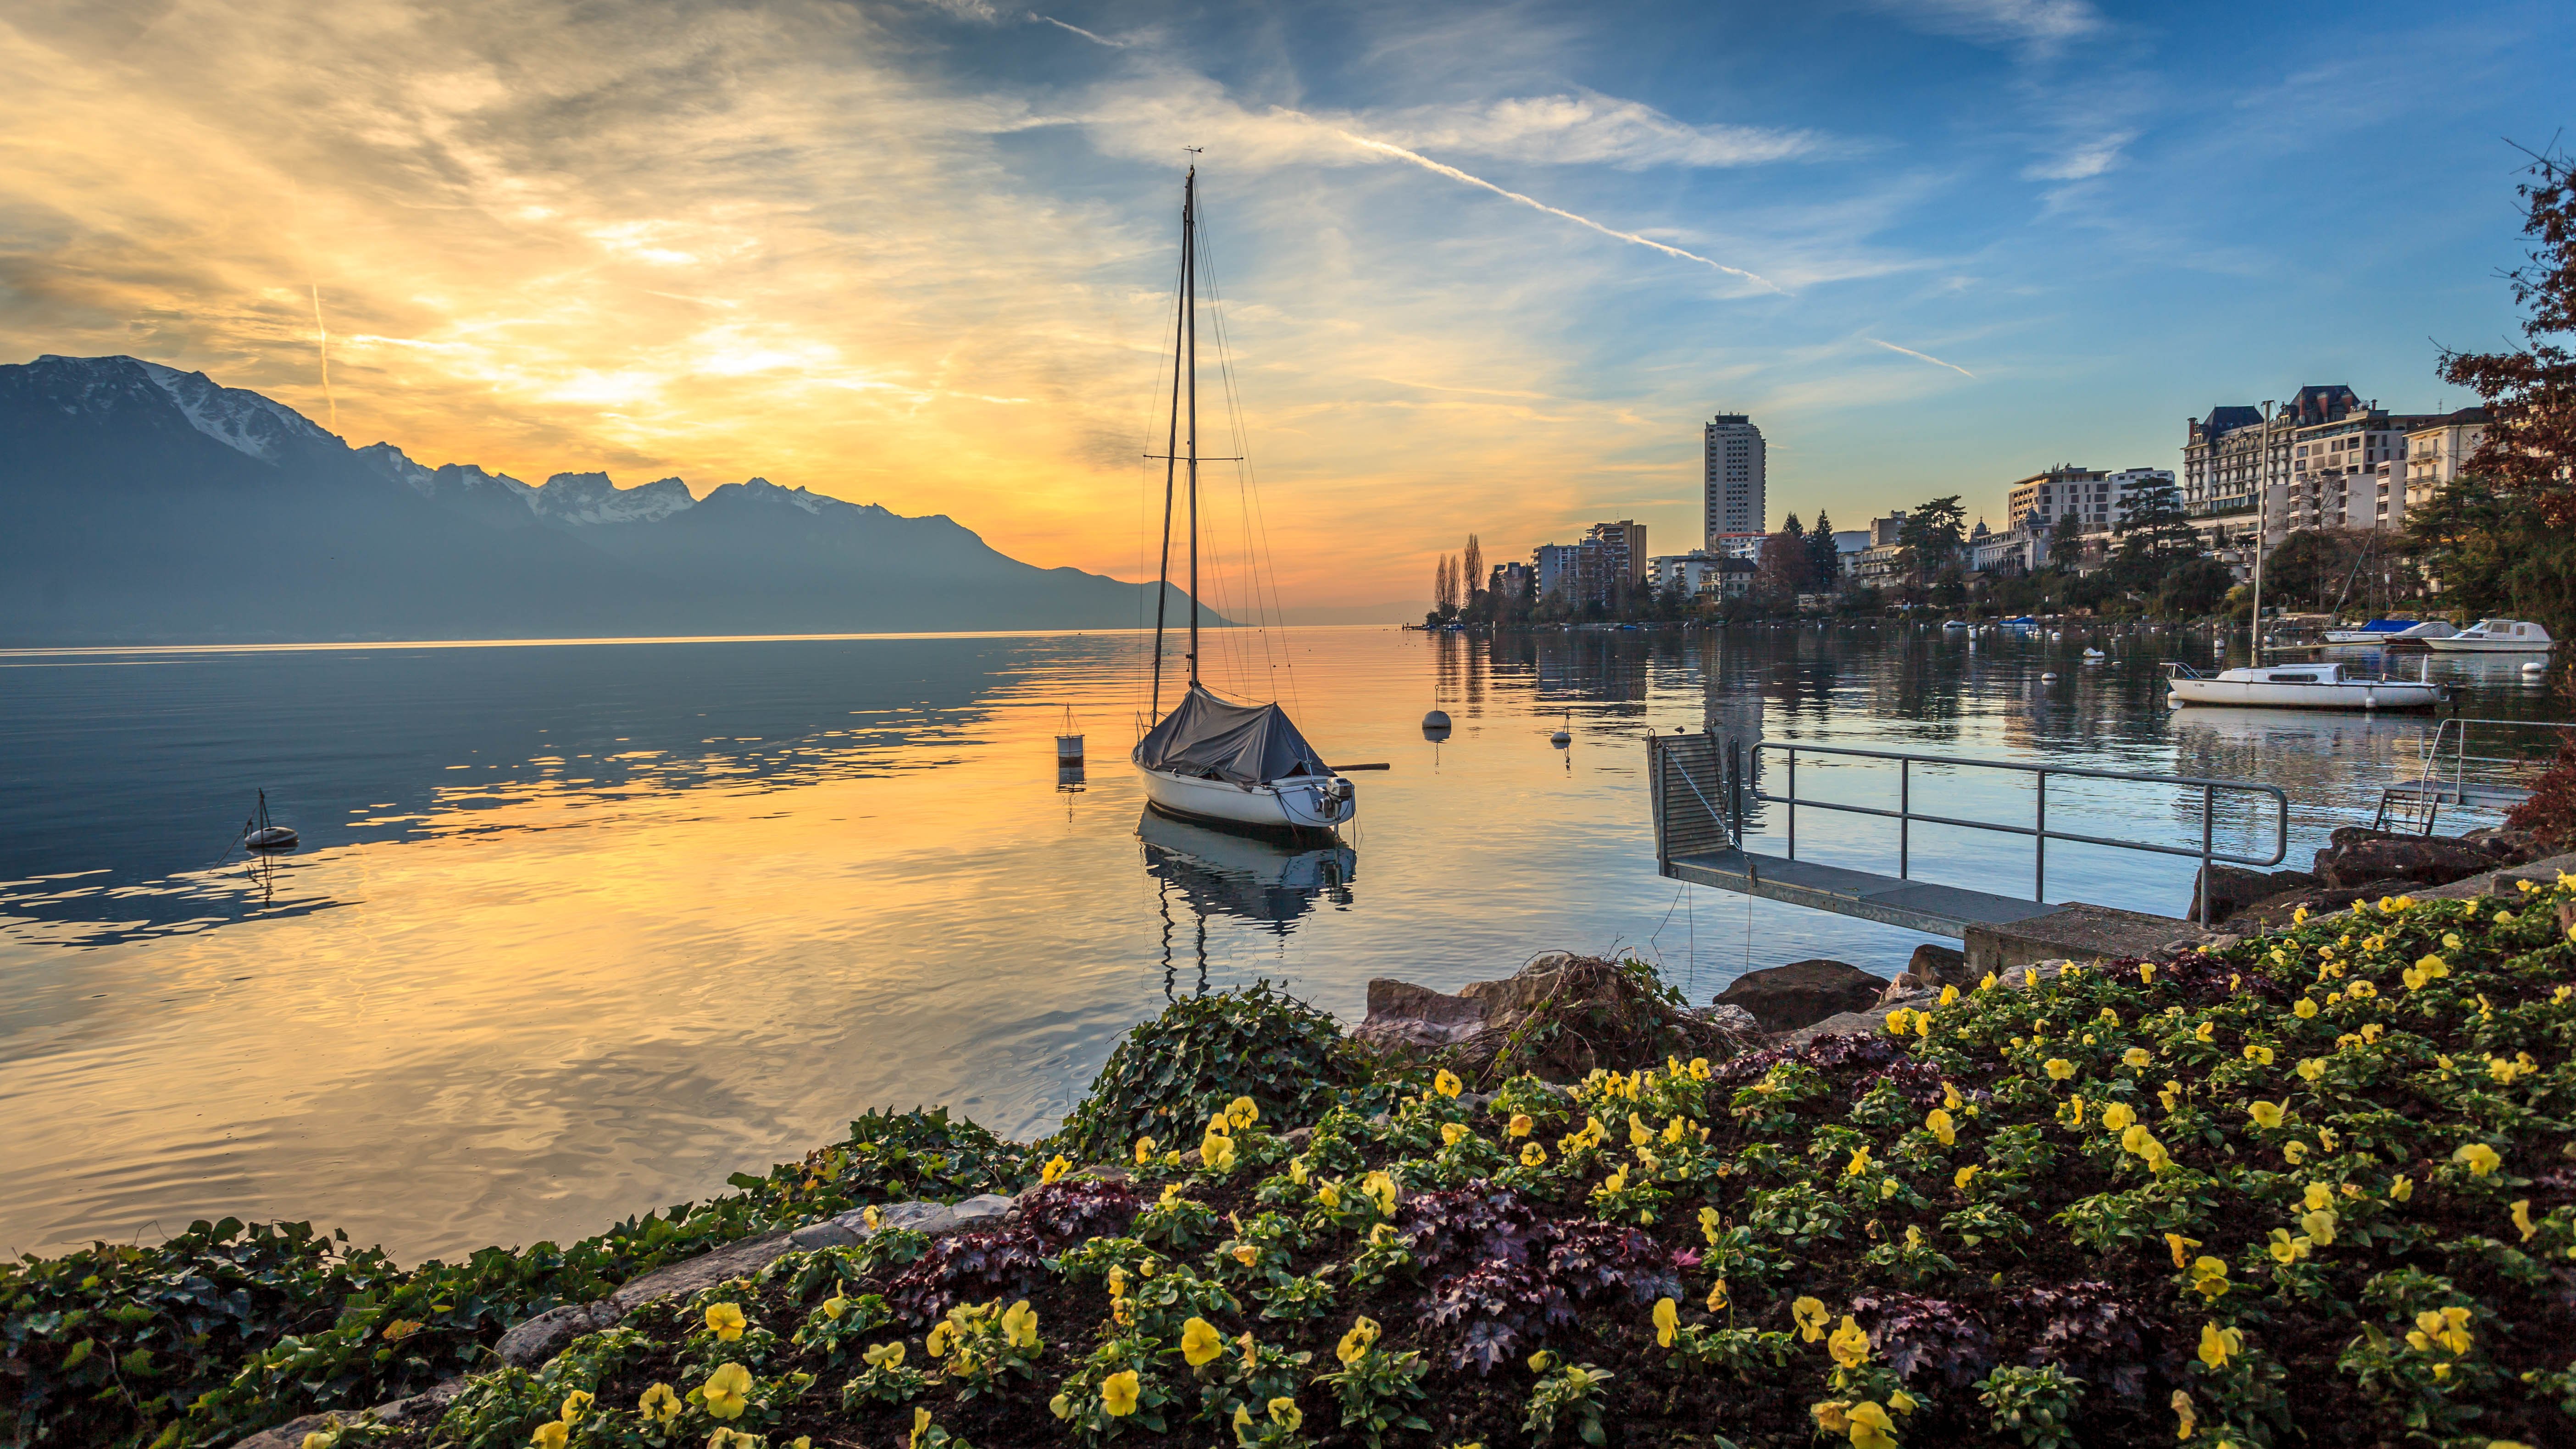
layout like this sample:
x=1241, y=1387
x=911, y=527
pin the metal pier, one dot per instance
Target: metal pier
x=1703, y=791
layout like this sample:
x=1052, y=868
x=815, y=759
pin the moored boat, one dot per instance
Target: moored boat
x=2495, y=636
x=2299, y=686
x=2392, y=631
x=1213, y=760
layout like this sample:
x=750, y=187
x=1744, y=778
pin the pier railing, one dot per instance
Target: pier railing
x=1704, y=789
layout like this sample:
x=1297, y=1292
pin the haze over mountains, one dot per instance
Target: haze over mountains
x=139, y=503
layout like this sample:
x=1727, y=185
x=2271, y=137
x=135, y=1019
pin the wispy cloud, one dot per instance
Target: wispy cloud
x=2081, y=160
x=1587, y=129
x=1453, y=173
x=1920, y=356
x=1078, y=30
x=2041, y=25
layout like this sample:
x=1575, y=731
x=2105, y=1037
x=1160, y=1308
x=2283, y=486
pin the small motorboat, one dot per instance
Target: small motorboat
x=2392, y=631
x=261, y=833
x=2495, y=636
x=2299, y=686
x=2091, y=654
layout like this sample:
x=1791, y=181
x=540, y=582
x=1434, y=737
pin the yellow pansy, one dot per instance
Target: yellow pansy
x=1117, y=1281
x=1532, y=1155
x=2305, y=1008
x=1201, y=1344
x=1859, y=1163
x=1811, y=1318
x=2177, y=1243
x=1217, y=1153
x=1446, y=1083
x=727, y=1391
x=1285, y=1413
x=1965, y=1175
x=2522, y=1219
x=2209, y=1276
x=2206, y=1031
x=2401, y=1187
x=1381, y=1189
x=1242, y=1112
x=1020, y=1325
x=920, y=1426
x=1949, y=996
x=658, y=1405
x=2136, y=1057
x=1118, y=1394
x=1521, y=1125
x=1988, y=983
x=2118, y=1117
x=1056, y=1167
x=724, y=1320
x=937, y=1343
x=2265, y=1114
x=2480, y=1158
x=1950, y=1097
x=2320, y=1226
x=2287, y=1249
x=2218, y=1345
x=574, y=1403
x=1849, y=1345
x=1363, y=1332
x=2259, y=1055
x=2312, y=1068
x=2189, y=1421
x=1451, y=1133
x=1938, y=1123
x=1144, y=1150
x=1870, y=1426
x=551, y=1434
x=1717, y=1296
x=2058, y=1068
x=1667, y=1321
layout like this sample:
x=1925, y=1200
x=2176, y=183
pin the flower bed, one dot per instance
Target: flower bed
x=2318, y=1188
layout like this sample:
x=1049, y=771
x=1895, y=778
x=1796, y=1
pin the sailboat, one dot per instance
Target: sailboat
x=1214, y=760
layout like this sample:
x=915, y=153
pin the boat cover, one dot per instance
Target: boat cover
x=1205, y=737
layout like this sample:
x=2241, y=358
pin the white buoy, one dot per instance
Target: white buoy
x=2534, y=669
x=2048, y=679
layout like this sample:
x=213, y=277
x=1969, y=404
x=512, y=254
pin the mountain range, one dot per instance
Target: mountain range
x=140, y=503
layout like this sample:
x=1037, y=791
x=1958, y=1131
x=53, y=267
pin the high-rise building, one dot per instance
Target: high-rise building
x=1733, y=459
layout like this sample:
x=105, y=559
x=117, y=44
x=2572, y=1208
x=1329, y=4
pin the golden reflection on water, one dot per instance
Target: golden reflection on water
x=567, y=989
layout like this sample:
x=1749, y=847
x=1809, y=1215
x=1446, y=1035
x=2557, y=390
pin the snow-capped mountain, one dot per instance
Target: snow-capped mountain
x=143, y=502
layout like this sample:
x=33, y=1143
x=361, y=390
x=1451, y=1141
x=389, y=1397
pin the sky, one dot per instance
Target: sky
x=1483, y=269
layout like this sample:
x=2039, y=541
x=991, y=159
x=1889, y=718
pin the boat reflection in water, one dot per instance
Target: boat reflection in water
x=1217, y=873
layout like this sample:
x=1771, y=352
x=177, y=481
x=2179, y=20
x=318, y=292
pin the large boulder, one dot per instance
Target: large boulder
x=2233, y=888
x=1940, y=966
x=2355, y=856
x=1802, y=993
x=1401, y=1014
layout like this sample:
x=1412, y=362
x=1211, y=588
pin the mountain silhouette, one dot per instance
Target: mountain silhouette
x=139, y=503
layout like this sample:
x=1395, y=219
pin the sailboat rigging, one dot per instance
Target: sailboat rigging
x=1212, y=760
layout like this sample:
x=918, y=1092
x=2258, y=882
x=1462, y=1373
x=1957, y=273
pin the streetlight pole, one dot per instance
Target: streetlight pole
x=2262, y=532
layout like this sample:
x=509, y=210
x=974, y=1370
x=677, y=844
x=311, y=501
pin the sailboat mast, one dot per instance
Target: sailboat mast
x=1190, y=322
x=1171, y=457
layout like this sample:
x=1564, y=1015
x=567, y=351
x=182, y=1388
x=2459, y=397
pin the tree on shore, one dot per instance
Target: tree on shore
x=1824, y=561
x=1931, y=534
x=2497, y=538
x=2066, y=544
x=1472, y=572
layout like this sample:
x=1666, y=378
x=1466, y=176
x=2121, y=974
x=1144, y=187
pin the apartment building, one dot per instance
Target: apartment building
x=2348, y=472
x=1611, y=559
x=2436, y=451
x=1735, y=469
x=1746, y=546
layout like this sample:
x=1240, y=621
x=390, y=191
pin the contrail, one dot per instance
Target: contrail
x=1925, y=356
x=324, y=333
x=1078, y=30
x=1454, y=174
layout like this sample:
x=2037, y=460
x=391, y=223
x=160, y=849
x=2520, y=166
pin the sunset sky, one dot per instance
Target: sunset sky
x=1485, y=267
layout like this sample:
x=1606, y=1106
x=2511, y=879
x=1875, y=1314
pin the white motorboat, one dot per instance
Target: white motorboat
x=2299, y=686
x=2495, y=636
x=1213, y=760
x=2392, y=631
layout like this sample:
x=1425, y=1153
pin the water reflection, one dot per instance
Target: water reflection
x=1216, y=873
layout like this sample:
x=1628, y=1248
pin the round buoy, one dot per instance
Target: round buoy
x=1561, y=738
x=1438, y=719
x=2048, y=679
x=2535, y=667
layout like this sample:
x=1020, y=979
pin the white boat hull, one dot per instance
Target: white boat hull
x=2455, y=644
x=2349, y=694
x=1301, y=804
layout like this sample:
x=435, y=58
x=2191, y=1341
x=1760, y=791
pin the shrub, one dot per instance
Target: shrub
x=1169, y=1075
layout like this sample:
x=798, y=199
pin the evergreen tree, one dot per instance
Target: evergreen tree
x=1824, y=561
x=2066, y=542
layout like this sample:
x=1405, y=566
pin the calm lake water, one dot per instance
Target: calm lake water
x=578, y=929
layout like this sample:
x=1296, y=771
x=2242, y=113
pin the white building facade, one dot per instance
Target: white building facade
x=1735, y=476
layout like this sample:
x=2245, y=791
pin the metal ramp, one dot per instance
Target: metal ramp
x=1703, y=790
x=1916, y=905
x=2455, y=776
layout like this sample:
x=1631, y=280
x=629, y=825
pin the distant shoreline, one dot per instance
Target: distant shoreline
x=40, y=651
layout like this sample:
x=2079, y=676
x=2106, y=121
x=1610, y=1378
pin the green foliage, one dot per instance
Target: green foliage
x=1169, y=1075
x=1567, y=1396
x=2037, y=1404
